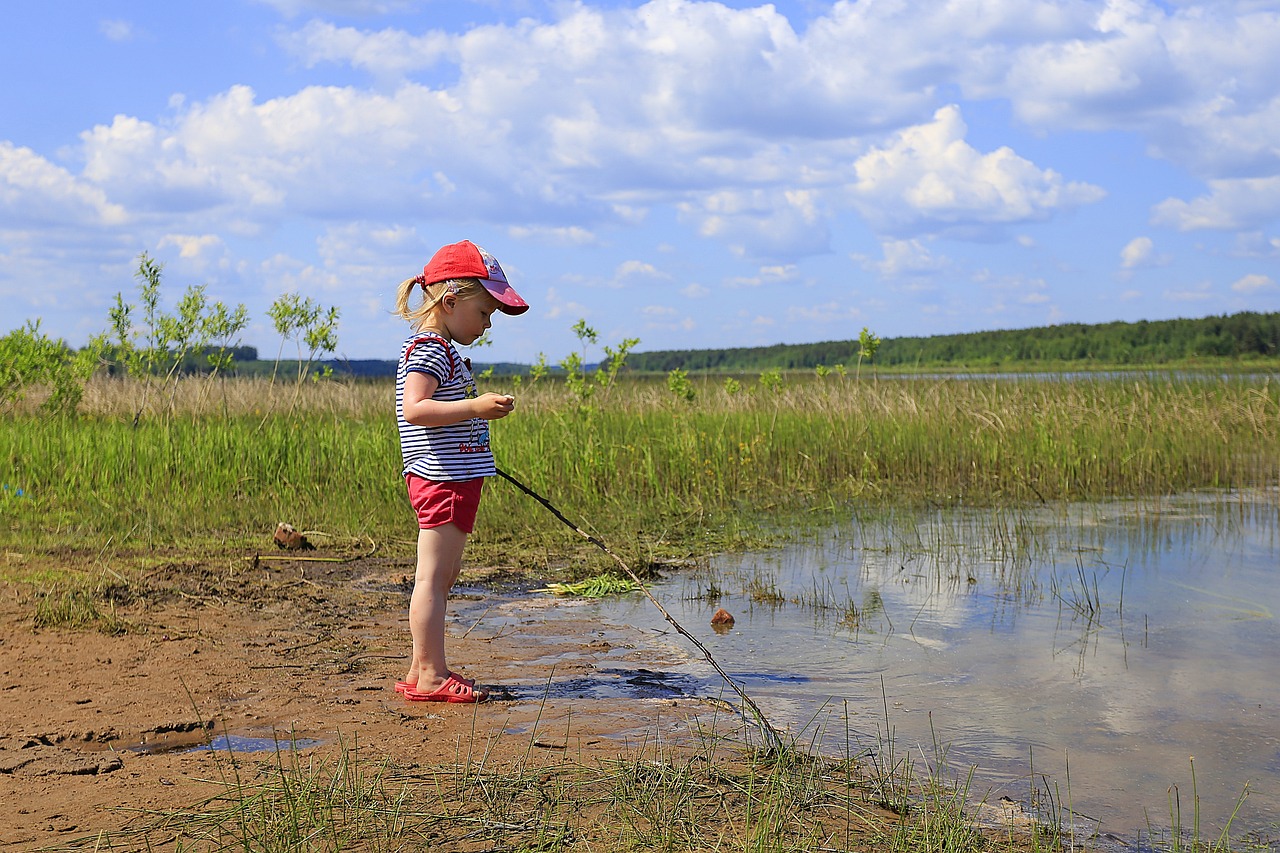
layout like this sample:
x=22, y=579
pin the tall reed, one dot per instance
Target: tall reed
x=649, y=472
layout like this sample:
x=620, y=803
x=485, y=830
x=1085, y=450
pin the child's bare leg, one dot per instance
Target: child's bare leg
x=439, y=563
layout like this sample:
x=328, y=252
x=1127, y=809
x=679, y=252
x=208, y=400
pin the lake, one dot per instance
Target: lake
x=1105, y=657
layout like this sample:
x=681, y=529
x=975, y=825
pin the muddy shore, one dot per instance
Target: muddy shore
x=102, y=733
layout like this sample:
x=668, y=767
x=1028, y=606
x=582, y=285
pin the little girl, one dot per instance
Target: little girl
x=444, y=441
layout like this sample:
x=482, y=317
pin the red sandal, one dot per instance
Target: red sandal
x=454, y=689
x=402, y=686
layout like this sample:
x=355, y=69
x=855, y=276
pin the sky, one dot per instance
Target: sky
x=690, y=174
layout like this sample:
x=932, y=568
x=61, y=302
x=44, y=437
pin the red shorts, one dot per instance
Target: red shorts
x=445, y=502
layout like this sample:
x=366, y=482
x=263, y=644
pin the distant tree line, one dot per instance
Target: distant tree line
x=190, y=362
x=1247, y=335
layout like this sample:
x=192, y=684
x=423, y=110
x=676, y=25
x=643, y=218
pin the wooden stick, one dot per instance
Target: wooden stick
x=775, y=739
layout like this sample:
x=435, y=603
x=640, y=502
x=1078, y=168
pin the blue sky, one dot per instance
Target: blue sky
x=688, y=173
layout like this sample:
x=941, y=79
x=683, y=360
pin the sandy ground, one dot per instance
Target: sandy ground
x=96, y=731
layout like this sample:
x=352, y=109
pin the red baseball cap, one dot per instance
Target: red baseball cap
x=467, y=260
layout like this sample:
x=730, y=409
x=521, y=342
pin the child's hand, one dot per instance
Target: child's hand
x=493, y=406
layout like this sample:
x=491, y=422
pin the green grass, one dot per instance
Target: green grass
x=703, y=791
x=77, y=605
x=655, y=477
x=707, y=794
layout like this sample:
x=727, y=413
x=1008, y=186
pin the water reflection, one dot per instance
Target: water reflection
x=1095, y=649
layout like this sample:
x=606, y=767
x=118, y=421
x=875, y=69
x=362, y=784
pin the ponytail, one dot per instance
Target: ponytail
x=463, y=288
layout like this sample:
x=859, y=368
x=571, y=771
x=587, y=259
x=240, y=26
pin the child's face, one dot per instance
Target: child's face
x=470, y=318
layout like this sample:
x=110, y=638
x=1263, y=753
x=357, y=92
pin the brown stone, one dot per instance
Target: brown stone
x=722, y=617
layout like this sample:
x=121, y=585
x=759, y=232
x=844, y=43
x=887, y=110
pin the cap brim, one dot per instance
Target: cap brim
x=509, y=302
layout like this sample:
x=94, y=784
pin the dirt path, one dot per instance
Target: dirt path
x=97, y=732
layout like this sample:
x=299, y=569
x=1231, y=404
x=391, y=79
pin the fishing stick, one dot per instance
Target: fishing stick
x=774, y=738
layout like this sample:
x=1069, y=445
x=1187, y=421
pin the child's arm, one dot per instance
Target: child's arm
x=421, y=410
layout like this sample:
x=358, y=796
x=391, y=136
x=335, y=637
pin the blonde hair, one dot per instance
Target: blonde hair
x=464, y=288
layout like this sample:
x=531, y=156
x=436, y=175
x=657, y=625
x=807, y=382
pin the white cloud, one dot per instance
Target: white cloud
x=908, y=257
x=322, y=152
x=192, y=246
x=928, y=177
x=825, y=315
x=1139, y=253
x=1253, y=283
x=286, y=274
x=632, y=273
x=116, y=30
x=1118, y=61
x=671, y=55
x=1255, y=244
x=1196, y=293
x=757, y=224
x=638, y=269
x=368, y=255
x=387, y=53
x=666, y=318
x=1021, y=290
x=34, y=191
x=558, y=307
x=1230, y=204
x=1136, y=252
x=359, y=8
x=554, y=236
x=1197, y=82
x=768, y=275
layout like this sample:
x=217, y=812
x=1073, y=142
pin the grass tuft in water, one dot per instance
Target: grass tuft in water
x=1181, y=838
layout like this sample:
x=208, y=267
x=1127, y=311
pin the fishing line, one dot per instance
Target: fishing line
x=775, y=739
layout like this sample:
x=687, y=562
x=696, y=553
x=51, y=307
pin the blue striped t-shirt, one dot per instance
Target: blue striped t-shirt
x=455, y=452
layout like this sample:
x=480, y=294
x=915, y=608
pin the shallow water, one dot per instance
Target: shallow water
x=1106, y=657
x=201, y=739
x=241, y=743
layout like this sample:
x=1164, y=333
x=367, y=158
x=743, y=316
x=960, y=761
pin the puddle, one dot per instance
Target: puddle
x=238, y=743
x=200, y=737
x=1092, y=650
